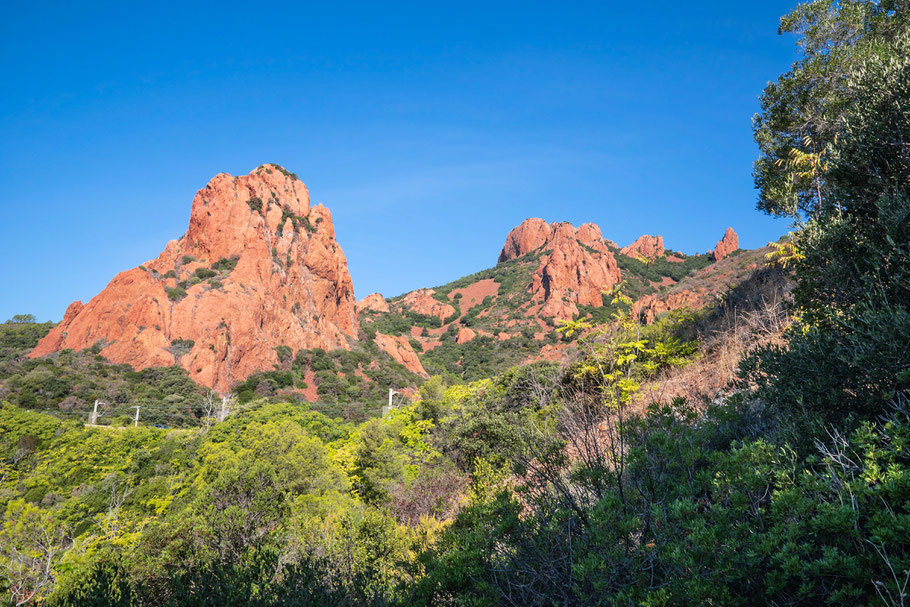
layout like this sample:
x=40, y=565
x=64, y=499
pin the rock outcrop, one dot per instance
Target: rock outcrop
x=465, y=335
x=649, y=247
x=575, y=266
x=422, y=302
x=531, y=235
x=373, y=302
x=401, y=352
x=649, y=307
x=726, y=245
x=258, y=268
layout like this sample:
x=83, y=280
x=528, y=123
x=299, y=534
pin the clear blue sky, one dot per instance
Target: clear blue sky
x=429, y=129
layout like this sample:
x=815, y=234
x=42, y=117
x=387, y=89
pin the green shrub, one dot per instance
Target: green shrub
x=175, y=293
x=179, y=347
x=225, y=264
x=284, y=353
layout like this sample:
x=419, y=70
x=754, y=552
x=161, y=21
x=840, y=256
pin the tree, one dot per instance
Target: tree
x=803, y=112
x=31, y=543
x=21, y=319
x=833, y=139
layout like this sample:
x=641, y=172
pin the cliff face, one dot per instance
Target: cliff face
x=257, y=268
x=575, y=266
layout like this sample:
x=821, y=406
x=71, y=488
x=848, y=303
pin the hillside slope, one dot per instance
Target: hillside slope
x=483, y=323
x=256, y=298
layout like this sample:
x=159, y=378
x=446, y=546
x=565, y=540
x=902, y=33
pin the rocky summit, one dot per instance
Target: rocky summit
x=258, y=269
x=546, y=273
x=726, y=245
x=648, y=247
x=576, y=265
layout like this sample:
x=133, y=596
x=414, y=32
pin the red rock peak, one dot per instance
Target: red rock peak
x=649, y=247
x=726, y=245
x=257, y=268
x=576, y=268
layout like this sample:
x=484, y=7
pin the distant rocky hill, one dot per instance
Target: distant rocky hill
x=547, y=273
x=256, y=298
x=257, y=269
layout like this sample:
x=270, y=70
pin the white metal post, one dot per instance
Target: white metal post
x=388, y=407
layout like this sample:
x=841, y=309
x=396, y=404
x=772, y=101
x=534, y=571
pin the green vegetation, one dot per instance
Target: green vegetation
x=286, y=172
x=226, y=265
x=67, y=383
x=483, y=356
x=176, y=293
x=19, y=335
x=486, y=356
x=478, y=358
x=179, y=347
x=640, y=274
x=255, y=203
x=513, y=276
x=845, y=174
x=795, y=489
x=115, y=508
x=296, y=220
x=399, y=323
x=350, y=383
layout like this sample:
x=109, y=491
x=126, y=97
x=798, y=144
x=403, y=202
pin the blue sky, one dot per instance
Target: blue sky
x=429, y=130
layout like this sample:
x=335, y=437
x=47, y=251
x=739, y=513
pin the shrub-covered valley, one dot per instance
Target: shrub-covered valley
x=580, y=424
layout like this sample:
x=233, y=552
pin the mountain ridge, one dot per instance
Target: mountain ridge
x=259, y=276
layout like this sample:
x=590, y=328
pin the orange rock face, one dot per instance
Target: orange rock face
x=574, y=272
x=529, y=236
x=649, y=247
x=726, y=245
x=475, y=292
x=374, y=302
x=421, y=301
x=258, y=268
x=401, y=351
x=464, y=335
x=650, y=307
